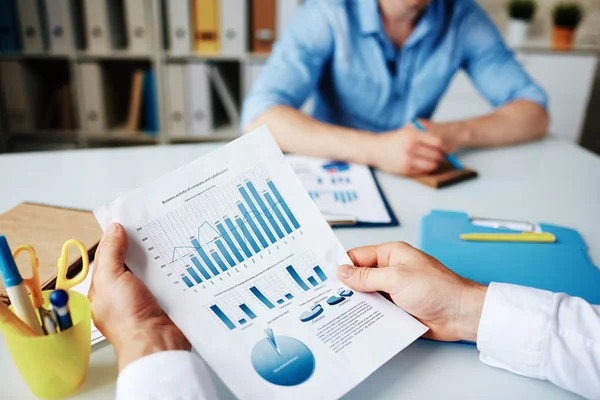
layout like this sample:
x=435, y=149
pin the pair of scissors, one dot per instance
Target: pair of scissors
x=62, y=281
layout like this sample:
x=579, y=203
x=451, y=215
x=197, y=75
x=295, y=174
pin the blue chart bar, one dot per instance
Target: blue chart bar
x=200, y=268
x=278, y=213
x=247, y=234
x=230, y=243
x=253, y=226
x=256, y=214
x=242, y=321
x=313, y=281
x=296, y=277
x=222, y=316
x=289, y=296
x=264, y=209
x=225, y=254
x=280, y=301
x=320, y=273
x=247, y=311
x=283, y=205
x=261, y=297
x=218, y=260
x=204, y=257
x=238, y=238
x=187, y=281
x=194, y=275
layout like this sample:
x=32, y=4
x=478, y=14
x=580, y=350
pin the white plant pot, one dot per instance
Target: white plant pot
x=517, y=32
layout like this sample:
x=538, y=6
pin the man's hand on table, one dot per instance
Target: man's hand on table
x=406, y=151
x=454, y=135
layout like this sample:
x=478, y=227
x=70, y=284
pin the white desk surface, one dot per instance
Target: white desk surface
x=548, y=181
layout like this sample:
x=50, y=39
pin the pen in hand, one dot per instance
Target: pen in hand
x=450, y=157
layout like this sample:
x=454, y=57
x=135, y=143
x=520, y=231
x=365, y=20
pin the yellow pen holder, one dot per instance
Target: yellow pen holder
x=55, y=366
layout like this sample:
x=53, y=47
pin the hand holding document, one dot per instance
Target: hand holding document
x=240, y=258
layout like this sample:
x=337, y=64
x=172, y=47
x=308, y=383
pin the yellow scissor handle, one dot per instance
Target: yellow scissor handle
x=33, y=283
x=62, y=282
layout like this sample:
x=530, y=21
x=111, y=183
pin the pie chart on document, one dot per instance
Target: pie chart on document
x=311, y=314
x=282, y=360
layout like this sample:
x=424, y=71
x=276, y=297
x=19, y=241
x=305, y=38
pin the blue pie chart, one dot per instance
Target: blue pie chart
x=289, y=363
x=312, y=313
x=345, y=292
x=333, y=300
x=336, y=166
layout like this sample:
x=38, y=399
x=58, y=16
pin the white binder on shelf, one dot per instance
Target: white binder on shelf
x=19, y=110
x=93, y=115
x=199, y=99
x=178, y=26
x=32, y=24
x=251, y=72
x=285, y=10
x=96, y=26
x=177, y=113
x=234, y=28
x=137, y=22
x=60, y=29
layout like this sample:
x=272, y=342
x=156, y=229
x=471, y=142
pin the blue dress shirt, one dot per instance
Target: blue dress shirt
x=338, y=52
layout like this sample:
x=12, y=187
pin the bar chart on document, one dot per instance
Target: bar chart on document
x=296, y=276
x=247, y=219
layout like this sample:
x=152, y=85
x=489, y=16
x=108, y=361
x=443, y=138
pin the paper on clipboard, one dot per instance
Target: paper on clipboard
x=345, y=193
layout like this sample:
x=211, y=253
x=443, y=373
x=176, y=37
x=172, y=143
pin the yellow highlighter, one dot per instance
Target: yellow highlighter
x=527, y=237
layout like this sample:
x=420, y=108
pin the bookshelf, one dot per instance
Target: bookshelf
x=47, y=70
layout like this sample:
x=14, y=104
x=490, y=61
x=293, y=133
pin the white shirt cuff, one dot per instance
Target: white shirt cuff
x=513, y=328
x=166, y=375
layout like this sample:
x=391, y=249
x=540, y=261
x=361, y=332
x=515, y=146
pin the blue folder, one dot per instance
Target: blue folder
x=150, y=104
x=9, y=28
x=563, y=266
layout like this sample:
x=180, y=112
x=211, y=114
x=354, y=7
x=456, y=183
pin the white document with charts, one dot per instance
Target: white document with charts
x=242, y=261
x=345, y=193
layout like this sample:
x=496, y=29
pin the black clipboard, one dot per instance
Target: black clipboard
x=361, y=224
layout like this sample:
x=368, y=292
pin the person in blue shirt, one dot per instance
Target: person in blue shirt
x=371, y=66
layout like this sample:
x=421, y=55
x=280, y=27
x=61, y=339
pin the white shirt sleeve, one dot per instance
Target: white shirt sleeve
x=178, y=375
x=542, y=335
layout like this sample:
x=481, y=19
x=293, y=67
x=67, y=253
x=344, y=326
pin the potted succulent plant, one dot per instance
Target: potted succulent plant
x=566, y=18
x=520, y=14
